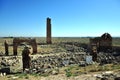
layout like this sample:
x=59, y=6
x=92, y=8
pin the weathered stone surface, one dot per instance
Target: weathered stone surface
x=106, y=58
x=26, y=58
x=11, y=64
x=17, y=41
x=41, y=64
x=48, y=39
x=6, y=48
x=103, y=43
x=51, y=62
x=108, y=75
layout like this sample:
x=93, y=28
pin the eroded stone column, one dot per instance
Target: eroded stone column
x=26, y=58
x=6, y=48
x=14, y=48
x=34, y=48
x=94, y=53
x=48, y=41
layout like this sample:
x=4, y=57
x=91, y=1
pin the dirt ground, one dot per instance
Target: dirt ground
x=51, y=77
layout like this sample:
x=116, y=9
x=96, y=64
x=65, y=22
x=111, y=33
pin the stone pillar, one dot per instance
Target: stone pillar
x=48, y=41
x=6, y=48
x=94, y=53
x=34, y=46
x=14, y=48
x=26, y=58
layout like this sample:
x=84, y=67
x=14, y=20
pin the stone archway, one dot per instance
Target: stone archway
x=103, y=43
x=106, y=42
x=18, y=41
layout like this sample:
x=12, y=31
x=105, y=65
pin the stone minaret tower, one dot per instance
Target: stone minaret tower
x=48, y=25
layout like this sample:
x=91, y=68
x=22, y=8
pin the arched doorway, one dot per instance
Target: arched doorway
x=18, y=41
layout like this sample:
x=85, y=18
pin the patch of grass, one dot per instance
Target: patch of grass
x=76, y=70
x=68, y=72
x=45, y=75
x=22, y=75
x=115, y=67
x=72, y=71
x=35, y=75
x=26, y=77
x=106, y=67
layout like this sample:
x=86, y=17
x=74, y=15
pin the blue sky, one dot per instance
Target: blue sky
x=70, y=18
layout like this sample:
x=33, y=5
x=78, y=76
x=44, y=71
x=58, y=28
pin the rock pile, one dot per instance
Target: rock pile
x=10, y=64
x=1, y=53
x=43, y=63
x=73, y=47
x=108, y=75
x=106, y=58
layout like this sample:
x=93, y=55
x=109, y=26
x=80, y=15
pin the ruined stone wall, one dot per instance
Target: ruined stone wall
x=10, y=64
x=40, y=63
x=58, y=60
x=103, y=43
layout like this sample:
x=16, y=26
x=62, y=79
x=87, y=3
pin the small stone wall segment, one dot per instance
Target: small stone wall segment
x=10, y=64
x=41, y=63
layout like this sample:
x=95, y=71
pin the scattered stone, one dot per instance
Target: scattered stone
x=117, y=78
x=55, y=72
x=15, y=77
x=107, y=73
x=26, y=70
x=2, y=74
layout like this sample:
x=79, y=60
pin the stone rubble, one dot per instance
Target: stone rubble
x=107, y=58
x=45, y=63
x=108, y=75
x=10, y=64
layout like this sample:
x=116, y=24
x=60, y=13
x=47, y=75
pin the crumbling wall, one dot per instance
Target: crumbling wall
x=106, y=42
x=18, y=41
x=39, y=63
x=103, y=43
x=10, y=64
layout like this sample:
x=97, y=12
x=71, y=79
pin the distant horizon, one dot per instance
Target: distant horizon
x=53, y=36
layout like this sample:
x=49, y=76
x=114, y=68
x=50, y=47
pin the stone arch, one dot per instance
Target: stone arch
x=106, y=42
x=106, y=36
x=18, y=41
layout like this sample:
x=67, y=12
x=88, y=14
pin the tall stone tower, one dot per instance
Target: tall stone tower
x=48, y=25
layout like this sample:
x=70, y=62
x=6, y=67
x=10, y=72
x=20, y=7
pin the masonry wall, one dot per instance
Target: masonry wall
x=40, y=63
x=48, y=31
x=10, y=64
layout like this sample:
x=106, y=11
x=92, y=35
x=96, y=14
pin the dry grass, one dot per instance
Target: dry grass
x=63, y=72
x=116, y=42
x=69, y=72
